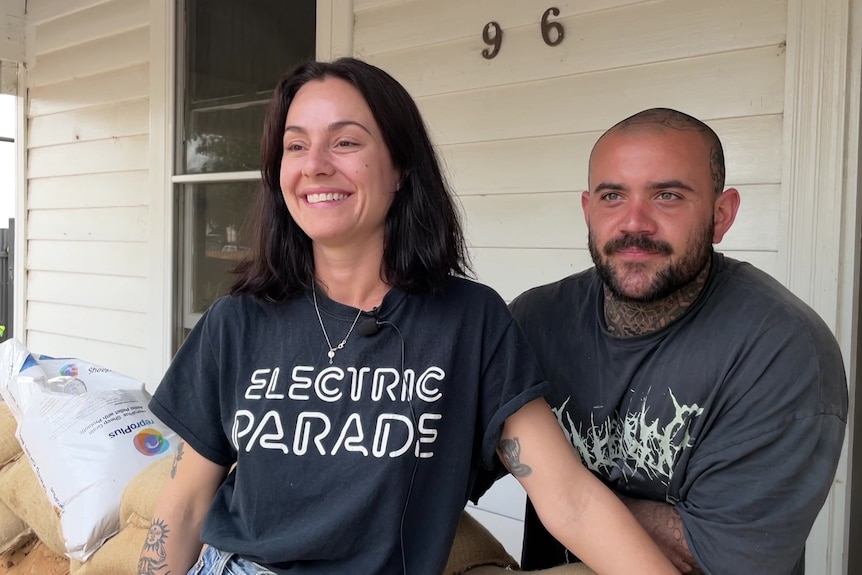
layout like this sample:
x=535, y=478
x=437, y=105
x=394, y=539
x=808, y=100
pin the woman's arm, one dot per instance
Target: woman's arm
x=173, y=542
x=574, y=505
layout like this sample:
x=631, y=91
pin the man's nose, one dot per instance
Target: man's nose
x=638, y=218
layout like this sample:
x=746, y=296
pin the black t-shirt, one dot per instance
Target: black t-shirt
x=329, y=455
x=734, y=413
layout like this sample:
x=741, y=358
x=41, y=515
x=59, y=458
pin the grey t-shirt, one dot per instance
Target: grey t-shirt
x=735, y=413
x=331, y=457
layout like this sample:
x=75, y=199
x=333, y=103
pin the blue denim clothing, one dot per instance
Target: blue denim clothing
x=215, y=562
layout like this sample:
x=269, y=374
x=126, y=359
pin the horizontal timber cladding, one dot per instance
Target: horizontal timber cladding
x=94, y=257
x=110, y=189
x=752, y=147
x=729, y=85
x=111, y=120
x=515, y=131
x=88, y=158
x=556, y=220
x=121, y=293
x=449, y=58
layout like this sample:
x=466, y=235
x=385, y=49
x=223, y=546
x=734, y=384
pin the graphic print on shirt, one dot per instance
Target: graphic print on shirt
x=392, y=431
x=633, y=443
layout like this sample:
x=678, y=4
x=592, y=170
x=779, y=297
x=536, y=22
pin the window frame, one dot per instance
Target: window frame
x=333, y=38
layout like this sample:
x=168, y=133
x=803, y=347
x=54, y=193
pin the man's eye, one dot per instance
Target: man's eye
x=611, y=196
x=667, y=196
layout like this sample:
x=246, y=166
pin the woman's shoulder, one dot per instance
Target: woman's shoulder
x=471, y=289
x=236, y=307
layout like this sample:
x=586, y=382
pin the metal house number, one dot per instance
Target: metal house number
x=552, y=33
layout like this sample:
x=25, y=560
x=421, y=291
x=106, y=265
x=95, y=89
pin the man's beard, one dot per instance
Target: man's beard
x=665, y=281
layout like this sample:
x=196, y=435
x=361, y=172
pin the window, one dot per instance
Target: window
x=231, y=54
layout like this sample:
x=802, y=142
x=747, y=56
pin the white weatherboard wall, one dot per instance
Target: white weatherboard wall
x=87, y=177
x=515, y=131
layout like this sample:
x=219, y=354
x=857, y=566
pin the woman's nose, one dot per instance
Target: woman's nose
x=317, y=162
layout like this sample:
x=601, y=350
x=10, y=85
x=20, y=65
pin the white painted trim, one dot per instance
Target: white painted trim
x=219, y=177
x=815, y=138
x=334, y=34
x=160, y=309
x=850, y=284
x=19, y=271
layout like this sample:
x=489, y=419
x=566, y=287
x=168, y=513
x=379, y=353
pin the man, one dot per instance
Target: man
x=703, y=392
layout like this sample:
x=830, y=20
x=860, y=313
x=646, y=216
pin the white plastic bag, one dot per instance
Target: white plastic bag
x=87, y=432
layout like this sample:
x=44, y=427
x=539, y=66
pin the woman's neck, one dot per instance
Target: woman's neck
x=351, y=277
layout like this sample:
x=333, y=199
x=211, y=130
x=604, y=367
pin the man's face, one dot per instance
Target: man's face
x=651, y=211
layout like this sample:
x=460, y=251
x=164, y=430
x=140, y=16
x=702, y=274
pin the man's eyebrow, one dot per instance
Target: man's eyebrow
x=333, y=127
x=609, y=186
x=672, y=184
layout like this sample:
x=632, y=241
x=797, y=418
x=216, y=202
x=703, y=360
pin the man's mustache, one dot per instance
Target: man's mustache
x=638, y=242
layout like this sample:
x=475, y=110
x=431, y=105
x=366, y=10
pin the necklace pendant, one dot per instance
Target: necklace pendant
x=331, y=354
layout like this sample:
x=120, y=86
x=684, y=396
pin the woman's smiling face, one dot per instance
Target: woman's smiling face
x=337, y=176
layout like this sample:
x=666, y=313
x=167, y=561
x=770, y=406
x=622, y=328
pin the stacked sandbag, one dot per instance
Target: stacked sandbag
x=476, y=551
x=14, y=532
x=119, y=555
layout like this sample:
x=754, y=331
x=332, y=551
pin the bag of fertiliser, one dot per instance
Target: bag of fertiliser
x=87, y=431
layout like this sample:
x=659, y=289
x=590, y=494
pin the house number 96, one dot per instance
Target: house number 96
x=552, y=34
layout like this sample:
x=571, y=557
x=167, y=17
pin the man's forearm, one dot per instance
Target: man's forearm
x=664, y=524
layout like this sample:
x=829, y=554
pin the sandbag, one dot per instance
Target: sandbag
x=10, y=448
x=142, y=493
x=86, y=431
x=21, y=492
x=118, y=556
x=14, y=533
x=473, y=546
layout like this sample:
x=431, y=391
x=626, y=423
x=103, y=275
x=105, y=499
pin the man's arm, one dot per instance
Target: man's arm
x=664, y=525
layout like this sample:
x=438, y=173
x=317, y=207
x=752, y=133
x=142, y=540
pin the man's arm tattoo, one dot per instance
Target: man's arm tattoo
x=664, y=524
x=177, y=458
x=153, y=559
x=510, y=451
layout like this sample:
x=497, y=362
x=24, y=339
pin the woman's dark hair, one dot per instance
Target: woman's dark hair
x=423, y=241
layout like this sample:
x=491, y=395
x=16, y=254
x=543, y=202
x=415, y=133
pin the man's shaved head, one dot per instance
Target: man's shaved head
x=667, y=119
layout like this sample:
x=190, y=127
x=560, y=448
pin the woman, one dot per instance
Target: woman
x=356, y=381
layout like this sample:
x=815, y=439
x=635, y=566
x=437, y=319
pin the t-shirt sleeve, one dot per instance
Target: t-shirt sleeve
x=511, y=378
x=188, y=399
x=755, y=484
x=752, y=505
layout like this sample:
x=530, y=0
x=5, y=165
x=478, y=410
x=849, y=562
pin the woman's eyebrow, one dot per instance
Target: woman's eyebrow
x=333, y=127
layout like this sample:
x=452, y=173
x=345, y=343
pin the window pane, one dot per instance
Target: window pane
x=236, y=51
x=215, y=238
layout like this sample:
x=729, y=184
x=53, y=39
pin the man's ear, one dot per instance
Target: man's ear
x=585, y=205
x=724, y=213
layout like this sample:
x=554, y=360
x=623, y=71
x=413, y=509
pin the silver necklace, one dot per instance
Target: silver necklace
x=332, y=349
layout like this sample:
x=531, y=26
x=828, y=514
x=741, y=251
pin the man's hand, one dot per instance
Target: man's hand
x=664, y=524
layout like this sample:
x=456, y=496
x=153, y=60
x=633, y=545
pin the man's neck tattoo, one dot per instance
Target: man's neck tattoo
x=626, y=319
